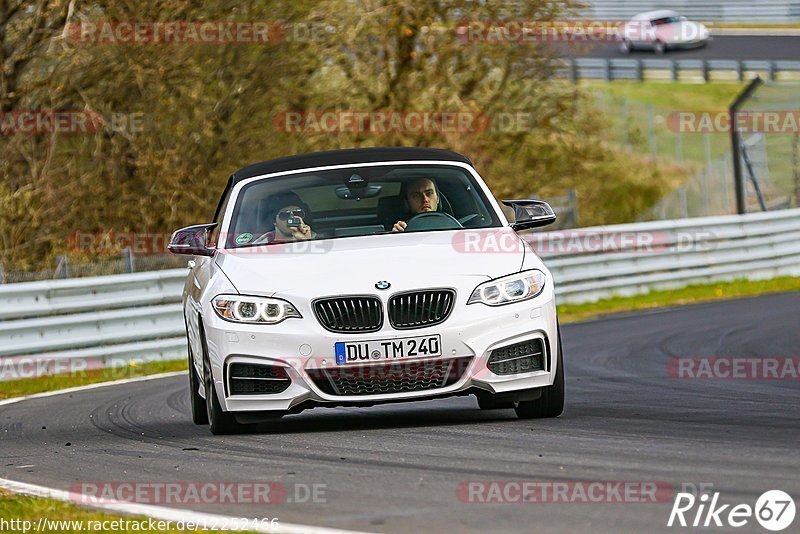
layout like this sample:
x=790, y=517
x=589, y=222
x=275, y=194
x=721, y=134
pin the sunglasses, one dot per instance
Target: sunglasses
x=284, y=215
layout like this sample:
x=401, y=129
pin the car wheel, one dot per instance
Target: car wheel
x=488, y=403
x=219, y=421
x=625, y=46
x=659, y=48
x=551, y=403
x=198, y=403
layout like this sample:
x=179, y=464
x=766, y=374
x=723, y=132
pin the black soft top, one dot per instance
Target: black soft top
x=346, y=157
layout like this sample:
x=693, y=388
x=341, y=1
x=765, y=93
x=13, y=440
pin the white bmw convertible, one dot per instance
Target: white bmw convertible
x=366, y=276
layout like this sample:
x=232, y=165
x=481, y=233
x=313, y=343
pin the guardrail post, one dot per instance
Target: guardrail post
x=706, y=71
x=771, y=71
x=607, y=70
x=639, y=70
x=573, y=70
x=740, y=70
x=674, y=66
x=2, y=274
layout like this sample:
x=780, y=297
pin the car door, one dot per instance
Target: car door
x=200, y=271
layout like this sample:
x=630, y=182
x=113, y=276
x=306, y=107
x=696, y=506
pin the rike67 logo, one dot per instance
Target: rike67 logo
x=774, y=510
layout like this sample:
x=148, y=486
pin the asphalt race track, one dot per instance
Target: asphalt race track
x=396, y=468
x=721, y=47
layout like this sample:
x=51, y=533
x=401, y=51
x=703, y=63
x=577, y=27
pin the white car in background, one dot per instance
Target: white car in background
x=346, y=310
x=660, y=31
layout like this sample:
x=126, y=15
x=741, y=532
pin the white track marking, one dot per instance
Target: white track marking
x=161, y=512
x=90, y=386
x=147, y=510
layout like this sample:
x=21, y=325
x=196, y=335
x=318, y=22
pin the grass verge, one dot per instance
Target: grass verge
x=689, y=295
x=29, y=386
x=68, y=518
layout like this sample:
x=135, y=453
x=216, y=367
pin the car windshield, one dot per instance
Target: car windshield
x=357, y=201
x=665, y=20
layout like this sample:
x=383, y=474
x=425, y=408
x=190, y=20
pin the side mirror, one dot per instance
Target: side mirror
x=531, y=214
x=192, y=240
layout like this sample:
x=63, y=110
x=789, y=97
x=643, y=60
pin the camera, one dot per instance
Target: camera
x=293, y=222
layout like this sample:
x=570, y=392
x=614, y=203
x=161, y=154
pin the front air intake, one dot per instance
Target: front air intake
x=524, y=357
x=257, y=379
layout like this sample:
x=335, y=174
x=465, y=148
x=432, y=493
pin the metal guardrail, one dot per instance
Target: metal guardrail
x=663, y=69
x=113, y=319
x=774, y=11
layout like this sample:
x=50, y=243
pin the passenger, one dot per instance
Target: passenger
x=288, y=216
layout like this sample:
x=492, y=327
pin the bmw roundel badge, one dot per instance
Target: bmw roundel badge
x=383, y=284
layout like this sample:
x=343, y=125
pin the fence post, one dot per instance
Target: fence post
x=771, y=71
x=607, y=71
x=675, y=75
x=128, y=262
x=625, y=117
x=651, y=131
x=62, y=268
x=573, y=70
x=640, y=70
x=572, y=196
x=706, y=71
x=2, y=274
x=740, y=70
x=736, y=143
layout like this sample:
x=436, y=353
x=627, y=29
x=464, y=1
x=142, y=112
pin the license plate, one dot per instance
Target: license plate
x=387, y=349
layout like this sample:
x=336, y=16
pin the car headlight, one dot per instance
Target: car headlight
x=253, y=310
x=509, y=289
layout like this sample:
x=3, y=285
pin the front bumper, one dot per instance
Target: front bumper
x=305, y=350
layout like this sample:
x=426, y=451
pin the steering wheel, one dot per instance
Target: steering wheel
x=432, y=220
x=467, y=218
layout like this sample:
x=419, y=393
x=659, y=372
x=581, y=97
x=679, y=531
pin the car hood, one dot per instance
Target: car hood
x=353, y=265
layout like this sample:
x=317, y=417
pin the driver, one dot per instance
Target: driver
x=421, y=196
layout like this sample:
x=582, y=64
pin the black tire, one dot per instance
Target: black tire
x=219, y=422
x=551, y=403
x=198, y=403
x=488, y=403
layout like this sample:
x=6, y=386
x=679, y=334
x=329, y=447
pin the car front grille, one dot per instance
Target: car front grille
x=350, y=315
x=257, y=379
x=396, y=377
x=417, y=309
x=524, y=357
